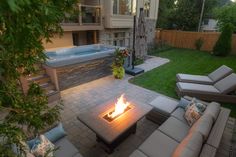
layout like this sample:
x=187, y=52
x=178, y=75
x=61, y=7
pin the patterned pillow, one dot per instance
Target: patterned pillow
x=201, y=107
x=192, y=114
x=43, y=147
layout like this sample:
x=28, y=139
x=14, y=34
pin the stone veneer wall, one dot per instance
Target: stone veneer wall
x=151, y=30
x=77, y=74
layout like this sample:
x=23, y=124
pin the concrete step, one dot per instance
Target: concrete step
x=40, y=79
x=53, y=96
x=47, y=86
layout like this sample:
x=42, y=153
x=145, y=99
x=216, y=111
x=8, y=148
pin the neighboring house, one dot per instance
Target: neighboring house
x=106, y=21
x=209, y=25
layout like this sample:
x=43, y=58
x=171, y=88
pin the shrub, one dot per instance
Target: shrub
x=223, y=44
x=198, y=43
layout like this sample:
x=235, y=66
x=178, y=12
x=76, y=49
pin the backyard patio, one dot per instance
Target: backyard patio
x=81, y=98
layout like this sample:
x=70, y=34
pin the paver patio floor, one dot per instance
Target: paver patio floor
x=80, y=98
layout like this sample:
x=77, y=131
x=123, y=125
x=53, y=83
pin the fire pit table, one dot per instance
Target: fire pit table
x=112, y=129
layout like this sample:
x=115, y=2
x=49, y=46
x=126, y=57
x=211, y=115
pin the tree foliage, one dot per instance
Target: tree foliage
x=223, y=44
x=24, y=24
x=226, y=14
x=183, y=14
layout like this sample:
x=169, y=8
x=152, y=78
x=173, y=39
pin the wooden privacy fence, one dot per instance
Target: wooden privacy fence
x=184, y=39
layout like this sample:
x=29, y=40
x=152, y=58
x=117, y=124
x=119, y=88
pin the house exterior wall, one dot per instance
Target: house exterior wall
x=57, y=41
x=210, y=25
x=111, y=24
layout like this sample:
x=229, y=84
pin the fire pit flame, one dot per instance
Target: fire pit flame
x=120, y=107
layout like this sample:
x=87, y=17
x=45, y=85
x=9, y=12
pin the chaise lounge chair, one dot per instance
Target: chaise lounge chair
x=212, y=78
x=222, y=91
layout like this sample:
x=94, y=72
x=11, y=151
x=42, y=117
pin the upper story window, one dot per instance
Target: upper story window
x=124, y=7
x=147, y=6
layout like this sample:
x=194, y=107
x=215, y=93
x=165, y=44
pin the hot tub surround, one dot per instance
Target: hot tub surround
x=68, y=67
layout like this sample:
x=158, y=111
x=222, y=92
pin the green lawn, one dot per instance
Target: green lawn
x=163, y=79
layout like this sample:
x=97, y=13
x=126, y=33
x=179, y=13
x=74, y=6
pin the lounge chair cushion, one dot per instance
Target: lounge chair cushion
x=179, y=114
x=197, y=88
x=158, y=145
x=203, y=125
x=194, y=79
x=226, y=85
x=66, y=149
x=220, y=73
x=213, y=109
x=175, y=129
x=138, y=153
x=190, y=146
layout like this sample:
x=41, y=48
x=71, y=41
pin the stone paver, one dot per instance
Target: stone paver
x=80, y=98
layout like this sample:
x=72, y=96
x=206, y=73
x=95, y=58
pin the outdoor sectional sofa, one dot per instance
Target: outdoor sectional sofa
x=223, y=90
x=176, y=138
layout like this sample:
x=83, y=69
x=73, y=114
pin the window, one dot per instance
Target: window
x=119, y=39
x=147, y=6
x=124, y=7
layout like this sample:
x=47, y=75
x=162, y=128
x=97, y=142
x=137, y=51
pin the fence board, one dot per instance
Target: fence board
x=184, y=39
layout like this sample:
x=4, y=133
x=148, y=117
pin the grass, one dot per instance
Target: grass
x=163, y=79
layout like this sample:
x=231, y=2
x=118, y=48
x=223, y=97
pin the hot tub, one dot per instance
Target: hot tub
x=67, y=56
x=68, y=67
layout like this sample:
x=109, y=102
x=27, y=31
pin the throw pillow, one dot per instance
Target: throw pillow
x=201, y=107
x=192, y=114
x=183, y=103
x=43, y=147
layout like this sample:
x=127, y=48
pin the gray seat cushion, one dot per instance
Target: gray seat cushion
x=220, y=73
x=197, y=88
x=194, y=79
x=203, y=125
x=164, y=105
x=190, y=146
x=213, y=109
x=137, y=153
x=179, y=114
x=226, y=85
x=158, y=145
x=66, y=149
x=175, y=129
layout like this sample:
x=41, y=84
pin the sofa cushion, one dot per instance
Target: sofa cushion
x=138, y=153
x=220, y=73
x=190, y=146
x=194, y=79
x=203, y=125
x=226, y=85
x=213, y=109
x=175, y=129
x=179, y=114
x=164, y=105
x=65, y=148
x=158, y=145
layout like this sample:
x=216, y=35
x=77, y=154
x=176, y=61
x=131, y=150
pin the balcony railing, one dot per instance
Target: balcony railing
x=86, y=15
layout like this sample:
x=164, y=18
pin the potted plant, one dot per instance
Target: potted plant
x=118, y=70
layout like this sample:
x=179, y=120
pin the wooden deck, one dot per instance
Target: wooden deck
x=227, y=146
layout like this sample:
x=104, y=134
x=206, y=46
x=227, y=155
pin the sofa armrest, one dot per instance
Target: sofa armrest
x=218, y=128
x=208, y=151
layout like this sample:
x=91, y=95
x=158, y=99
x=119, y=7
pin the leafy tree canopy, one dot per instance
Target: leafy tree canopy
x=226, y=14
x=183, y=14
x=24, y=24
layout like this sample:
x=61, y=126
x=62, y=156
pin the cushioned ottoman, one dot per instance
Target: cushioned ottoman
x=162, y=109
